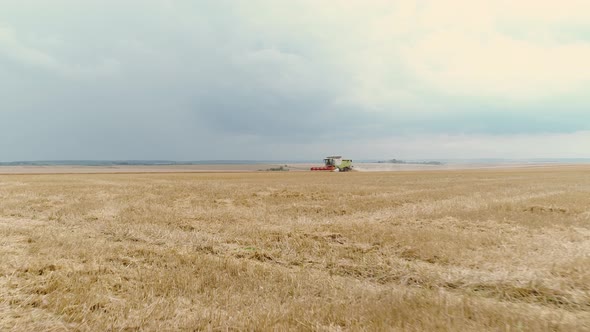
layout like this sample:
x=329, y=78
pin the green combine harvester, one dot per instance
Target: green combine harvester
x=335, y=164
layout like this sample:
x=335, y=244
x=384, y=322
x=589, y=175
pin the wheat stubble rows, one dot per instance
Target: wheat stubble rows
x=451, y=250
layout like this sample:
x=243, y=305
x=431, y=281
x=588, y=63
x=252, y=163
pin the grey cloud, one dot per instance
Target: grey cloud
x=206, y=80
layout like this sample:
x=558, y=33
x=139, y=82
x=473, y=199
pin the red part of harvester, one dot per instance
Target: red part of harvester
x=324, y=168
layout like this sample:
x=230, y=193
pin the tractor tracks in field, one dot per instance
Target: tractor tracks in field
x=449, y=206
x=17, y=308
x=403, y=269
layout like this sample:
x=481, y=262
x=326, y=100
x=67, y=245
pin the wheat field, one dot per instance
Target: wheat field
x=477, y=250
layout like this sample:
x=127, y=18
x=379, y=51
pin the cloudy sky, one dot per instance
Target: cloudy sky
x=297, y=79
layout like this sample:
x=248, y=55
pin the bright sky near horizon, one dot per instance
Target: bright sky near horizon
x=297, y=79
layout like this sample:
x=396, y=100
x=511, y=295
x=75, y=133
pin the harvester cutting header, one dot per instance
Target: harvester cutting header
x=335, y=164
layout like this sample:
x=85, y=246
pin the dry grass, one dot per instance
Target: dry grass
x=503, y=250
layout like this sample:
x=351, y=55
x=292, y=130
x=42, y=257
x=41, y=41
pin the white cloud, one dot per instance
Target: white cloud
x=466, y=52
x=14, y=49
x=564, y=11
x=458, y=48
x=460, y=63
x=11, y=47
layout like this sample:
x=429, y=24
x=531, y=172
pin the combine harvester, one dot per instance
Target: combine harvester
x=335, y=164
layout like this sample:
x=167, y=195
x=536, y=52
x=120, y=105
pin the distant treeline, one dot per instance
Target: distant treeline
x=129, y=162
x=396, y=161
x=89, y=163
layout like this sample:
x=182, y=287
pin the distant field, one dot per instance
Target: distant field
x=83, y=169
x=471, y=250
x=255, y=167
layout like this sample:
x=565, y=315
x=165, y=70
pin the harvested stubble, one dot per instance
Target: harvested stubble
x=455, y=250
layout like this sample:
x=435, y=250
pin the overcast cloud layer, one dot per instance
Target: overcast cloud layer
x=299, y=79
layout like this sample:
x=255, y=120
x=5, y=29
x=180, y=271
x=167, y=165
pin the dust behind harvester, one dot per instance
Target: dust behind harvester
x=335, y=164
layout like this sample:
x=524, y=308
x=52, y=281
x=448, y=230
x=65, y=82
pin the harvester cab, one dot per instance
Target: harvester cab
x=335, y=164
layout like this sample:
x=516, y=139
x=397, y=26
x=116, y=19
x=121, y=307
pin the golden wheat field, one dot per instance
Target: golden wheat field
x=477, y=250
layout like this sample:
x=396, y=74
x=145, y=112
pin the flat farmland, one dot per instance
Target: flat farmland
x=454, y=250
